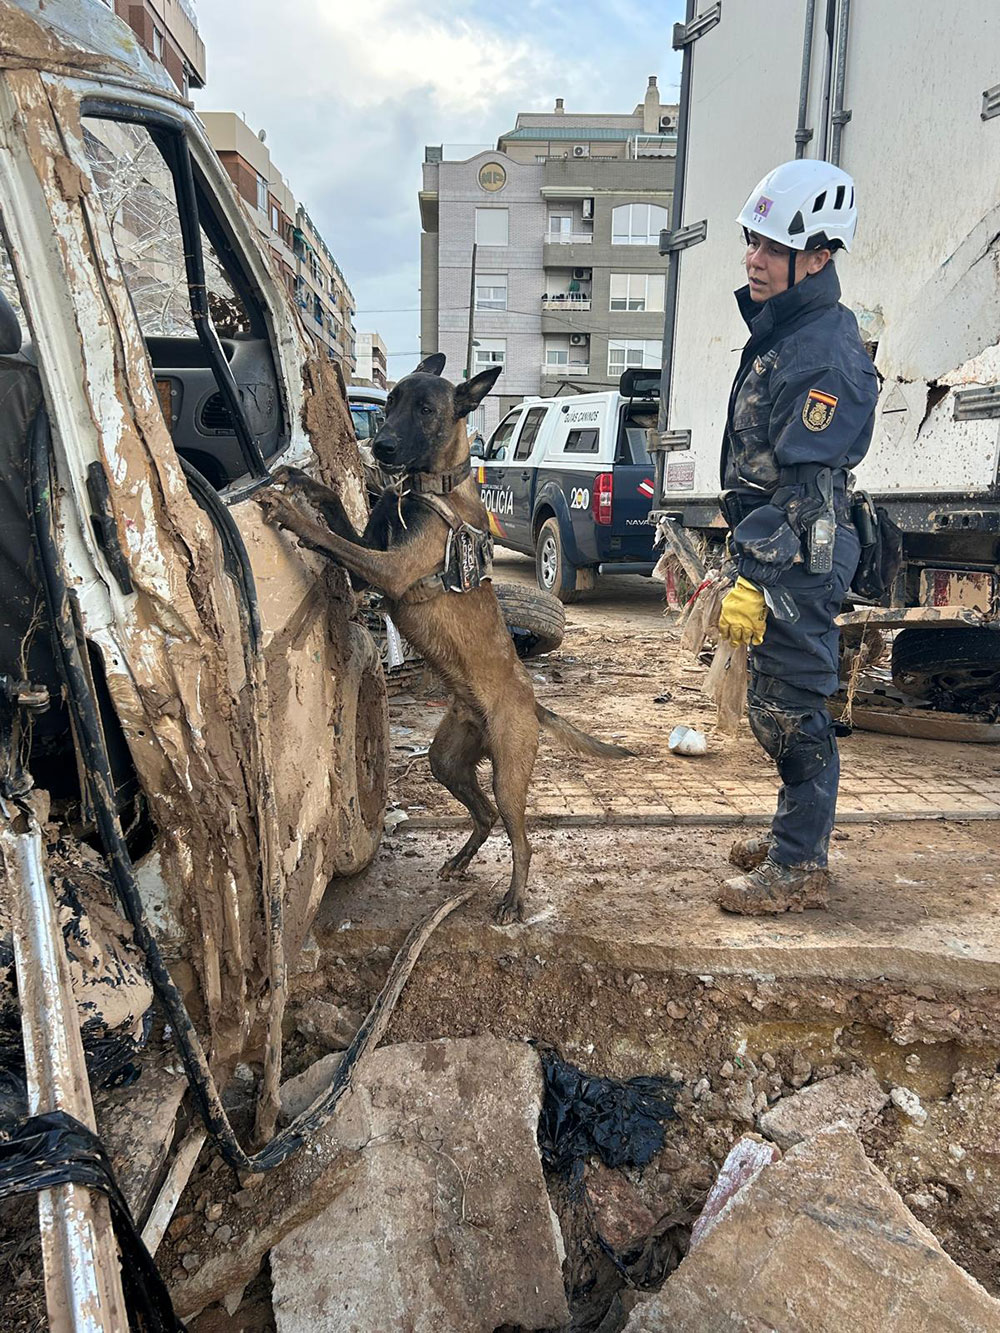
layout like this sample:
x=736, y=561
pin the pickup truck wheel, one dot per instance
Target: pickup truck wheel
x=958, y=669
x=536, y=619
x=363, y=762
x=553, y=571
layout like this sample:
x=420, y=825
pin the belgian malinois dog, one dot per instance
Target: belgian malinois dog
x=461, y=634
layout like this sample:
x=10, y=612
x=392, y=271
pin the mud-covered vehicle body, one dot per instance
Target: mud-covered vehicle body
x=153, y=375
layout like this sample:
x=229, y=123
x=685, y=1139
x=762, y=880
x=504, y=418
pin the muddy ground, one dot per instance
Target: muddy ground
x=625, y=966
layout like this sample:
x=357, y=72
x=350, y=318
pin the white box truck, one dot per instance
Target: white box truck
x=907, y=99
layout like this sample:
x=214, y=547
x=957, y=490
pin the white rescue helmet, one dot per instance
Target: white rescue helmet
x=805, y=204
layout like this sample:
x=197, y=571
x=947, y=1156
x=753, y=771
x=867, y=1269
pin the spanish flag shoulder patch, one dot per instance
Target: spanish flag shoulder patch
x=818, y=409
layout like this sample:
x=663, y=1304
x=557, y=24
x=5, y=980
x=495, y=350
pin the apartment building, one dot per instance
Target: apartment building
x=167, y=31
x=322, y=293
x=300, y=255
x=556, y=232
x=372, y=361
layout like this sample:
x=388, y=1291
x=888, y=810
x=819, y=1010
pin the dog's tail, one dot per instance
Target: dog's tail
x=579, y=740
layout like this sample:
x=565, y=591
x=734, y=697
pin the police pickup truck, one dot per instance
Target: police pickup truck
x=569, y=481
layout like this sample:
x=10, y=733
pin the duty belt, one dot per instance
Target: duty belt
x=737, y=502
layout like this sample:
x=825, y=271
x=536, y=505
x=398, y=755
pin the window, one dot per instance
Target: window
x=275, y=218
x=489, y=352
x=157, y=43
x=491, y=291
x=637, y=291
x=491, y=226
x=581, y=442
x=560, y=224
x=556, y=354
x=637, y=421
x=637, y=224
x=529, y=432
x=136, y=191
x=497, y=447
x=644, y=353
x=156, y=237
x=262, y=194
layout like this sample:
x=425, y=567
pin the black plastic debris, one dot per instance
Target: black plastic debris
x=620, y=1121
x=49, y=1150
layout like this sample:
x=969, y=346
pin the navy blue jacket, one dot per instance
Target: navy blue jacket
x=805, y=392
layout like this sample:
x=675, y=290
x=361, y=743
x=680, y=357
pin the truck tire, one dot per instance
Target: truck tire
x=536, y=619
x=363, y=764
x=956, y=669
x=553, y=572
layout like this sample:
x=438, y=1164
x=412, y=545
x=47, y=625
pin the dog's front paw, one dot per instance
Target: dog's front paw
x=275, y=507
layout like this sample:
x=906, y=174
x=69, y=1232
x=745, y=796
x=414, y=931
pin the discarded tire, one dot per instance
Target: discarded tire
x=363, y=760
x=957, y=669
x=536, y=620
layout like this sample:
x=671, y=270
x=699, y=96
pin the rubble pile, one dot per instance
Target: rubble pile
x=427, y=1206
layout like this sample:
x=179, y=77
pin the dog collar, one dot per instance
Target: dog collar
x=439, y=483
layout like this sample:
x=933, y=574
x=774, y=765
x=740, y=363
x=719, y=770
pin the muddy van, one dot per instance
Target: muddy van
x=192, y=720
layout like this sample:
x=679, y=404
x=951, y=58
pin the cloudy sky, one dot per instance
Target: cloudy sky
x=350, y=91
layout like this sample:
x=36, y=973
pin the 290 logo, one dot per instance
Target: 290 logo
x=579, y=498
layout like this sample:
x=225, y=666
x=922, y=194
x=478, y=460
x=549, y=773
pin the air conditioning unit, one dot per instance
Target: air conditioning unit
x=577, y=339
x=666, y=123
x=581, y=150
x=582, y=274
x=588, y=208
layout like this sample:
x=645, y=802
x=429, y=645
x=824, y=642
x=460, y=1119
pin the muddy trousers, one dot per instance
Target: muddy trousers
x=794, y=728
x=792, y=674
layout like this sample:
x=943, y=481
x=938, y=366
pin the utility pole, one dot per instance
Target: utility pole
x=472, y=315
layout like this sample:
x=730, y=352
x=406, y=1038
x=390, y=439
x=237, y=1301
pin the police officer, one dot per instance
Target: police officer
x=800, y=416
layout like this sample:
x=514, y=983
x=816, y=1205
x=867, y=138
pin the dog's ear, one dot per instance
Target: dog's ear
x=470, y=393
x=431, y=365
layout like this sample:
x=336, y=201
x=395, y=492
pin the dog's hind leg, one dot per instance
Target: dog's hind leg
x=513, y=748
x=457, y=748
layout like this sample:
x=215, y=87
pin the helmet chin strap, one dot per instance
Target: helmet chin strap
x=792, y=254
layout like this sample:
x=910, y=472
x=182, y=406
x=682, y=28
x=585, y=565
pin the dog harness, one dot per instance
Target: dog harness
x=468, y=552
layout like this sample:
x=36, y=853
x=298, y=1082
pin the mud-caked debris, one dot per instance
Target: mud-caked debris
x=851, y=1098
x=621, y=1218
x=818, y=1242
x=333, y=1026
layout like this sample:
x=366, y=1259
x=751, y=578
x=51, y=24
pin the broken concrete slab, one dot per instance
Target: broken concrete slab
x=853, y=1099
x=819, y=1242
x=446, y=1226
x=136, y=1124
x=299, y=1093
x=748, y=1158
x=332, y=1025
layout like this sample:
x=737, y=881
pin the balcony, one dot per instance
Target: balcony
x=569, y=237
x=571, y=370
x=569, y=303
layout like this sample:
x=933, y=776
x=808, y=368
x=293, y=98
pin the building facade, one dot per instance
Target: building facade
x=300, y=255
x=168, y=32
x=555, y=237
x=372, y=361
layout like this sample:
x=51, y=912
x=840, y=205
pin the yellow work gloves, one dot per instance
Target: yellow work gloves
x=743, y=616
